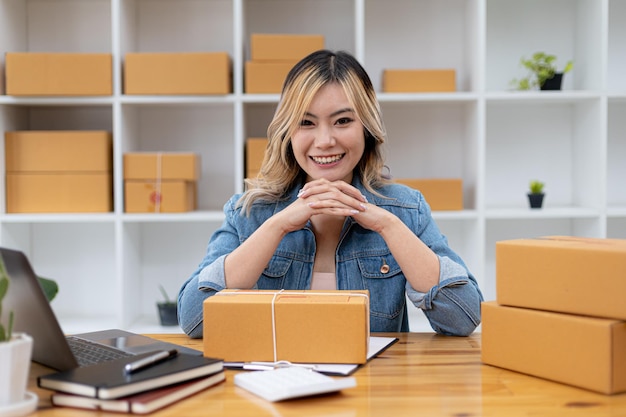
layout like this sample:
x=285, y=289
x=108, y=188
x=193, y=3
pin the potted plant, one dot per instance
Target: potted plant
x=536, y=194
x=542, y=73
x=15, y=354
x=167, y=310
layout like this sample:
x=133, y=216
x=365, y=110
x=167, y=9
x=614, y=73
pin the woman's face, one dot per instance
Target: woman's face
x=330, y=140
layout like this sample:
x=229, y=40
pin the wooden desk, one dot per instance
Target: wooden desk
x=421, y=375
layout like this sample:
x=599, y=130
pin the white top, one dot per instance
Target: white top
x=323, y=281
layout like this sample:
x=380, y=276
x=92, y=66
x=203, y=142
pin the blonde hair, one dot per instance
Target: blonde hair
x=279, y=170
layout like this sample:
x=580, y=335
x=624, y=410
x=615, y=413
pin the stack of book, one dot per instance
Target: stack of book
x=121, y=386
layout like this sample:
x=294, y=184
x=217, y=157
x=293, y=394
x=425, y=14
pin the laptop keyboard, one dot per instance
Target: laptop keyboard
x=90, y=353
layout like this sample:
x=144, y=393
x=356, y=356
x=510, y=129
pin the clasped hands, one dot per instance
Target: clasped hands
x=336, y=198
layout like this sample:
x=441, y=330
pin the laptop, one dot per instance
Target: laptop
x=51, y=347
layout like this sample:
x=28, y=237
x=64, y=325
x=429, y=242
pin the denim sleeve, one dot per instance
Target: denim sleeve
x=452, y=306
x=208, y=278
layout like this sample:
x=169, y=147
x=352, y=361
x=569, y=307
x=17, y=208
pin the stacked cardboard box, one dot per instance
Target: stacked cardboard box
x=559, y=311
x=162, y=182
x=59, y=74
x=272, y=56
x=177, y=73
x=58, y=171
x=440, y=193
x=419, y=80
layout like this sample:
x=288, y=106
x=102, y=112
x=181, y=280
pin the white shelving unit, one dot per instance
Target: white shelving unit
x=109, y=265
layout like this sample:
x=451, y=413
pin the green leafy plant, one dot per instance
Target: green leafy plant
x=5, y=332
x=536, y=187
x=541, y=67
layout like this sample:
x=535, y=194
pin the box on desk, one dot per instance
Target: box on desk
x=283, y=47
x=177, y=73
x=299, y=326
x=59, y=74
x=160, y=182
x=419, y=80
x=440, y=193
x=563, y=273
x=587, y=352
x=58, y=171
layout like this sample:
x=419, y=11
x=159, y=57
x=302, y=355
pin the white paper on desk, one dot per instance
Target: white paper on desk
x=376, y=345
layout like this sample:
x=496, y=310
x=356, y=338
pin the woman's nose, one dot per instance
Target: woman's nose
x=324, y=138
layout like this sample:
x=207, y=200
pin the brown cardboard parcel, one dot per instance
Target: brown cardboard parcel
x=563, y=273
x=58, y=151
x=440, y=193
x=419, y=81
x=586, y=352
x=59, y=74
x=283, y=47
x=177, y=73
x=160, y=182
x=58, y=171
x=255, y=152
x=162, y=166
x=266, y=77
x=297, y=326
x=71, y=192
x=166, y=196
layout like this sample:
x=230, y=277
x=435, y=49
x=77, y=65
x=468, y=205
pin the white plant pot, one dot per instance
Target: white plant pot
x=15, y=358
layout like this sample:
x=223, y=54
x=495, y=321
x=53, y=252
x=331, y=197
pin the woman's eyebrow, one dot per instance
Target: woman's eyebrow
x=333, y=114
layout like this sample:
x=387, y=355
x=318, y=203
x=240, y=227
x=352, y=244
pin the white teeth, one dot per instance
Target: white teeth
x=327, y=159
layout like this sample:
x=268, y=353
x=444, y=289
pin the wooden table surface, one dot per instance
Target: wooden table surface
x=423, y=374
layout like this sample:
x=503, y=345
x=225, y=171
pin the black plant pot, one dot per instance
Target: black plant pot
x=167, y=314
x=535, y=200
x=553, y=83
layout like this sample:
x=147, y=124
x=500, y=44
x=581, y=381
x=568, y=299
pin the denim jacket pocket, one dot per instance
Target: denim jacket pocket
x=274, y=273
x=385, y=281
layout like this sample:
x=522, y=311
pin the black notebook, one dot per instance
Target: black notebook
x=142, y=403
x=111, y=380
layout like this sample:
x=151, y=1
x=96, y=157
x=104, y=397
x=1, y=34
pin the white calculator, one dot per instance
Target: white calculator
x=290, y=382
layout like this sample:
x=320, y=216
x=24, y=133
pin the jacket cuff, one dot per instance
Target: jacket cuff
x=212, y=277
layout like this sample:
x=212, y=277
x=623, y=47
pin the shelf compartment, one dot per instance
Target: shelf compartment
x=206, y=129
x=568, y=29
x=441, y=141
x=560, y=144
x=431, y=34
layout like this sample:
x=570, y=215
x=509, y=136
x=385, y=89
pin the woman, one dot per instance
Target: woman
x=321, y=215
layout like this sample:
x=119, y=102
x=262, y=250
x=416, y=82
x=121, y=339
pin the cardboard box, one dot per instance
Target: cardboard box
x=255, y=152
x=177, y=73
x=440, y=193
x=162, y=166
x=58, y=151
x=58, y=171
x=168, y=196
x=310, y=326
x=266, y=77
x=59, y=74
x=283, y=47
x=70, y=192
x=561, y=273
x=419, y=81
x=586, y=352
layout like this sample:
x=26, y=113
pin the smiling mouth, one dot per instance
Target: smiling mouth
x=325, y=160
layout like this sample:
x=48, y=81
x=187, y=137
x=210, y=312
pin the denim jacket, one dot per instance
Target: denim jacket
x=452, y=307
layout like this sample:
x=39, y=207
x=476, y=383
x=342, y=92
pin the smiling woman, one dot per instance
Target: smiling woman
x=321, y=214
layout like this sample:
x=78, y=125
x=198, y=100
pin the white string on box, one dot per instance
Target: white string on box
x=275, y=295
x=157, y=186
